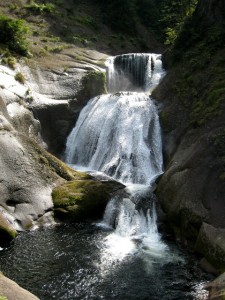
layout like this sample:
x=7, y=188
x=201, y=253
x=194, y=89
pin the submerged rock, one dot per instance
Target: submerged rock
x=9, y=290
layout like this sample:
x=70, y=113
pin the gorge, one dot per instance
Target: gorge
x=44, y=87
x=117, y=134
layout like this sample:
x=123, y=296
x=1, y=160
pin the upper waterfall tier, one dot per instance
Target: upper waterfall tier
x=134, y=72
x=118, y=134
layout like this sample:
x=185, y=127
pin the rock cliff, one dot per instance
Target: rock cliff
x=192, y=189
x=35, y=115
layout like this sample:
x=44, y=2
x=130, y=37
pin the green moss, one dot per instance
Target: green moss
x=165, y=121
x=9, y=61
x=81, y=199
x=20, y=78
x=3, y=298
x=36, y=8
x=204, y=110
x=93, y=84
x=73, y=192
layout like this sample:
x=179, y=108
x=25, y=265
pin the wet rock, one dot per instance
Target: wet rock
x=211, y=243
x=7, y=231
x=216, y=288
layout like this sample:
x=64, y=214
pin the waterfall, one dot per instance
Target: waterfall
x=134, y=72
x=119, y=134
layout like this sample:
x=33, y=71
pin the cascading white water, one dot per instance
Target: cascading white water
x=134, y=72
x=119, y=134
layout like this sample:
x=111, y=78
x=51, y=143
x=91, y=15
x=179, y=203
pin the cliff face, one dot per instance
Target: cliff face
x=192, y=188
x=44, y=106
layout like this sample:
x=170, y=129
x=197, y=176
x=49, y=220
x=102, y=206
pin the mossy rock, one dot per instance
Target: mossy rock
x=79, y=200
x=92, y=84
x=7, y=232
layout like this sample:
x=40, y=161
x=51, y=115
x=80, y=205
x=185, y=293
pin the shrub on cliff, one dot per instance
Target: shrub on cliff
x=13, y=34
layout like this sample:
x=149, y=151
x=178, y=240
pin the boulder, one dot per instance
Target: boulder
x=7, y=231
x=80, y=200
x=216, y=288
x=211, y=243
x=9, y=290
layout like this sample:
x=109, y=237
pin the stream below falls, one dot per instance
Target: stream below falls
x=78, y=262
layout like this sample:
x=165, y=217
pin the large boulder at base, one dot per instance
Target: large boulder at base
x=216, y=288
x=9, y=290
x=211, y=243
x=83, y=199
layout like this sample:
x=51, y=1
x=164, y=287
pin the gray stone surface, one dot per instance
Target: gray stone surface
x=211, y=243
x=12, y=291
x=216, y=288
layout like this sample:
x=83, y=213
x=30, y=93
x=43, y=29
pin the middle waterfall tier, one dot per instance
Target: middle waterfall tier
x=118, y=134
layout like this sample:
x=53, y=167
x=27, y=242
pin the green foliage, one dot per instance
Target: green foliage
x=9, y=60
x=3, y=298
x=55, y=49
x=13, y=33
x=120, y=15
x=87, y=20
x=20, y=77
x=171, y=35
x=164, y=17
x=149, y=13
x=198, y=38
x=174, y=14
x=40, y=8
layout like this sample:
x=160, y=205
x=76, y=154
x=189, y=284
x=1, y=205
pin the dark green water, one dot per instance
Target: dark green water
x=72, y=262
